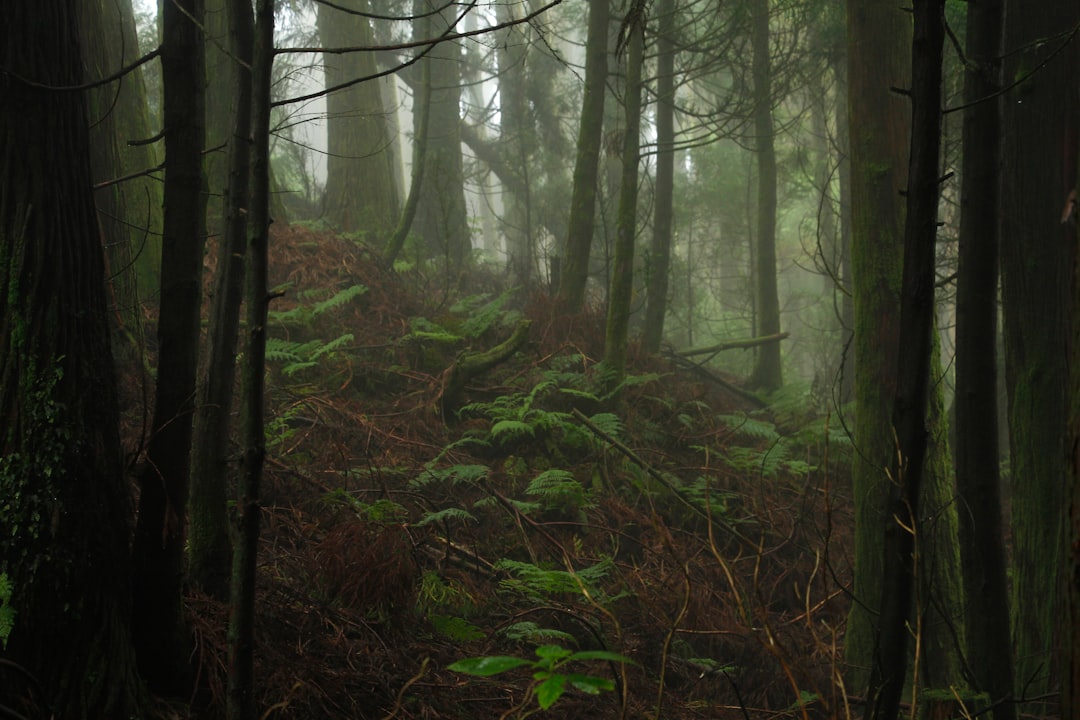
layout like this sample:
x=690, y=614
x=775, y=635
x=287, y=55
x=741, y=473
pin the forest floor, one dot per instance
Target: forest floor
x=676, y=522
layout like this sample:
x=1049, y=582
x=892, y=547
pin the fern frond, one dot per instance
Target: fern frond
x=511, y=430
x=332, y=345
x=527, y=631
x=455, y=474
x=338, y=299
x=610, y=423
x=750, y=427
x=450, y=513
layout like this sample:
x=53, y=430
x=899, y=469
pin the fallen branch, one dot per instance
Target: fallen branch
x=472, y=365
x=734, y=345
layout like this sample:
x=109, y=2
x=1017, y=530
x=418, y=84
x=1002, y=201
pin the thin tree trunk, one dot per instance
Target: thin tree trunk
x=575, y=266
x=161, y=639
x=397, y=239
x=253, y=437
x=767, y=373
x=982, y=537
x=660, y=255
x=889, y=671
x=622, y=275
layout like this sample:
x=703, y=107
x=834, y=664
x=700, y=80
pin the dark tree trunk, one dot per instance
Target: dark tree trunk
x=160, y=635
x=767, y=373
x=67, y=508
x=1039, y=131
x=622, y=274
x=575, y=267
x=889, y=671
x=660, y=251
x=982, y=538
x=253, y=438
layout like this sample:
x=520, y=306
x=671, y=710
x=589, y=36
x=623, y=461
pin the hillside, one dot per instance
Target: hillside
x=409, y=525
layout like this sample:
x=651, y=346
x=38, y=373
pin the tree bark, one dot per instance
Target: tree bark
x=1039, y=131
x=253, y=436
x=982, y=537
x=361, y=174
x=66, y=509
x=889, y=671
x=161, y=638
x=767, y=373
x=622, y=275
x=663, y=195
x=575, y=266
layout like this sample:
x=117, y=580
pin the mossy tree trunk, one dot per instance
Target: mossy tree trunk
x=1039, y=159
x=130, y=212
x=442, y=219
x=66, y=509
x=659, y=262
x=575, y=267
x=878, y=47
x=160, y=635
x=622, y=273
x=361, y=164
x=767, y=373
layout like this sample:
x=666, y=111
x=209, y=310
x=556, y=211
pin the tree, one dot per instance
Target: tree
x=767, y=373
x=441, y=219
x=879, y=57
x=622, y=274
x=663, y=210
x=1040, y=128
x=889, y=670
x=575, y=268
x=361, y=163
x=982, y=539
x=66, y=502
x=158, y=547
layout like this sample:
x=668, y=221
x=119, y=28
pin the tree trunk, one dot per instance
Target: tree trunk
x=767, y=374
x=1039, y=127
x=622, y=274
x=889, y=671
x=982, y=537
x=361, y=165
x=878, y=48
x=660, y=255
x=575, y=266
x=441, y=218
x=161, y=638
x=66, y=509
x=252, y=406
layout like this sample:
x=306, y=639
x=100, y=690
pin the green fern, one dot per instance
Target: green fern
x=455, y=628
x=528, y=631
x=541, y=584
x=303, y=314
x=455, y=474
x=558, y=489
x=750, y=427
x=444, y=515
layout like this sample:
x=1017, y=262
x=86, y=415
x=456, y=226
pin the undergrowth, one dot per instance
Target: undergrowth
x=685, y=545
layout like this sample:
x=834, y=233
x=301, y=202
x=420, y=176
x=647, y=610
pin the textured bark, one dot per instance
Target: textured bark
x=67, y=504
x=575, y=266
x=982, y=538
x=441, y=218
x=767, y=373
x=622, y=274
x=240, y=705
x=1070, y=705
x=129, y=211
x=160, y=636
x=208, y=530
x=663, y=194
x=1039, y=159
x=889, y=671
x=361, y=164
x=878, y=58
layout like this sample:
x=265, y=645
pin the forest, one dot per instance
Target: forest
x=455, y=359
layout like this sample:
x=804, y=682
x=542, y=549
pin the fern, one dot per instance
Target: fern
x=540, y=583
x=558, y=489
x=527, y=631
x=303, y=314
x=483, y=317
x=338, y=299
x=444, y=515
x=455, y=474
x=455, y=628
x=511, y=430
x=750, y=427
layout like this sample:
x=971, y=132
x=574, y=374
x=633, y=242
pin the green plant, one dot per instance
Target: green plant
x=303, y=314
x=550, y=678
x=298, y=356
x=7, y=613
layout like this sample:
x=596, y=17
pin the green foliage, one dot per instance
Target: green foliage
x=445, y=515
x=455, y=474
x=298, y=356
x=531, y=632
x=550, y=681
x=30, y=476
x=302, y=315
x=382, y=511
x=558, y=489
x=7, y=613
x=455, y=628
x=540, y=584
